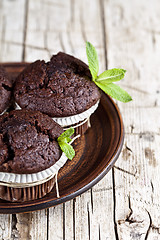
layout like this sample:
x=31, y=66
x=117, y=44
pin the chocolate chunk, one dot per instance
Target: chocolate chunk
x=5, y=89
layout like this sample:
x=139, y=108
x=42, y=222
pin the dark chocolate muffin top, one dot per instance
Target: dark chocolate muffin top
x=5, y=89
x=28, y=142
x=61, y=87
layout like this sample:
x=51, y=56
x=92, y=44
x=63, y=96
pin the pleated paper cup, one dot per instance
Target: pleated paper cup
x=80, y=122
x=26, y=187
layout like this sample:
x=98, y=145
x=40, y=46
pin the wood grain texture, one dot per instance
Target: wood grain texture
x=11, y=29
x=125, y=204
x=5, y=226
x=132, y=42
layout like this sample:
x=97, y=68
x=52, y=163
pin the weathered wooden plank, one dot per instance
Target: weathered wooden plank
x=11, y=29
x=5, y=226
x=132, y=41
x=56, y=222
x=32, y=225
x=102, y=209
x=29, y=225
x=65, y=30
x=69, y=220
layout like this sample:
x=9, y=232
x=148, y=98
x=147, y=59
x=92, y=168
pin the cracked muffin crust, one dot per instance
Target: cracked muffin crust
x=28, y=142
x=61, y=87
x=5, y=89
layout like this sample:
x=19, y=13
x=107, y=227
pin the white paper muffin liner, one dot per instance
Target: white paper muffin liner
x=71, y=120
x=33, y=179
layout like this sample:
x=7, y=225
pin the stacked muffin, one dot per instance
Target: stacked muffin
x=61, y=88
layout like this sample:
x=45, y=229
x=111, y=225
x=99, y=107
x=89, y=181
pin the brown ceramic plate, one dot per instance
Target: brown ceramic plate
x=96, y=153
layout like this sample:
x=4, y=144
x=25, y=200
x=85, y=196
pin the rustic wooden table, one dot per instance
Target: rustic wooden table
x=125, y=204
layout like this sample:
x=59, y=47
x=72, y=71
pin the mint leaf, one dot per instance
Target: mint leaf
x=92, y=60
x=67, y=149
x=114, y=91
x=111, y=75
x=63, y=141
x=68, y=133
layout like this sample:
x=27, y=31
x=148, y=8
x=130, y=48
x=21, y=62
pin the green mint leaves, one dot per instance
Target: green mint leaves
x=92, y=60
x=63, y=141
x=105, y=80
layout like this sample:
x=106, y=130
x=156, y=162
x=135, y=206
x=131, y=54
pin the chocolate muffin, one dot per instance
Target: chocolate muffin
x=60, y=88
x=28, y=153
x=5, y=90
x=28, y=142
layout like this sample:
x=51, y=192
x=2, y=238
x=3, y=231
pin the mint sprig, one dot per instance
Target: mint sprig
x=105, y=80
x=63, y=141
